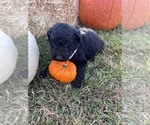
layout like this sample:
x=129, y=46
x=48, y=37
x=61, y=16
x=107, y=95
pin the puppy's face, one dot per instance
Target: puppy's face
x=63, y=40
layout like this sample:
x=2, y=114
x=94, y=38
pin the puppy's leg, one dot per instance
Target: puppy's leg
x=80, y=75
x=44, y=73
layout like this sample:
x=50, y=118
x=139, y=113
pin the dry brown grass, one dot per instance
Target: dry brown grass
x=14, y=17
x=44, y=13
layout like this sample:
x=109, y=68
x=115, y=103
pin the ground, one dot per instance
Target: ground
x=97, y=102
x=115, y=90
x=116, y=87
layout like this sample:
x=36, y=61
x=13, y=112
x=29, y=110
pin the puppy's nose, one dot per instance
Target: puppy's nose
x=59, y=58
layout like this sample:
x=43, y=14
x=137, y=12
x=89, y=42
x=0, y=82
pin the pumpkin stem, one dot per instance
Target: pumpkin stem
x=65, y=65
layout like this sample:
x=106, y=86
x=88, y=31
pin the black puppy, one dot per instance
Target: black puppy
x=75, y=44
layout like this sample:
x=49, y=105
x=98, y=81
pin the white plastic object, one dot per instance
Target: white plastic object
x=8, y=57
x=33, y=56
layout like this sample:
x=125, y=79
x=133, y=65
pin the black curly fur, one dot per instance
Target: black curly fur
x=65, y=39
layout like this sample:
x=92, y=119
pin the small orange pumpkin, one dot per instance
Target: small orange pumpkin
x=64, y=72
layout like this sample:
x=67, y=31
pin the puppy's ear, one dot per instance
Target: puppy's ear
x=49, y=32
x=77, y=36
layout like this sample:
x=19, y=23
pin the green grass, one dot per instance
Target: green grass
x=115, y=90
x=136, y=76
x=98, y=102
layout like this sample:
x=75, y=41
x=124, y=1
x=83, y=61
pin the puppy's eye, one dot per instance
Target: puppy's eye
x=68, y=44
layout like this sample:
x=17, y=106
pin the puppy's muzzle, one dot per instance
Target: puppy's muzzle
x=59, y=58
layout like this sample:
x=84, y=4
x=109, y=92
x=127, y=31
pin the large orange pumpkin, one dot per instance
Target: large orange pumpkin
x=135, y=13
x=100, y=14
x=64, y=72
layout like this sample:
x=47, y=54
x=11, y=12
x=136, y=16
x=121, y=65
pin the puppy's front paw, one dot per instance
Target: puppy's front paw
x=43, y=73
x=76, y=84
